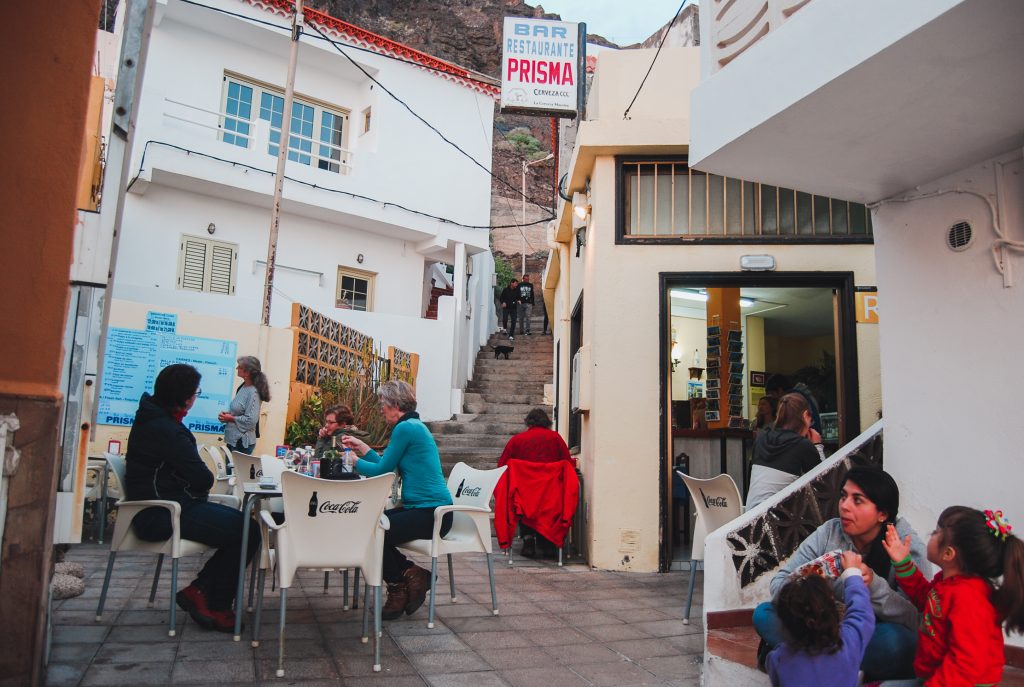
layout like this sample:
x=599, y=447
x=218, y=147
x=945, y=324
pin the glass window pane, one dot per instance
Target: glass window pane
x=632, y=190
x=645, y=203
x=749, y=210
x=330, y=132
x=804, y=218
x=769, y=218
x=787, y=214
x=858, y=219
x=663, y=194
x=698, y=202
x=302, y=124
x=821, y=211
x=839, y=220
x=272, y=110
x=682, y=200
x=237, y=112
x=733, y=207
x=716, y=203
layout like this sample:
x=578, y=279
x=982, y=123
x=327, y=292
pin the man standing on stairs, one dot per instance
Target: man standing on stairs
x=525, y=304
x=509, y=304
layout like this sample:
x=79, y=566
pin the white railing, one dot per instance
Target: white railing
x=738, y=24
x=256, y=136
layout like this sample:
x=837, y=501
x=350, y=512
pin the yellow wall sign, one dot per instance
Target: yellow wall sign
x=867, y=307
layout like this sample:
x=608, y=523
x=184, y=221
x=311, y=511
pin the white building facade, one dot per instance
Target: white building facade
x=915, y=108
x=377, y=207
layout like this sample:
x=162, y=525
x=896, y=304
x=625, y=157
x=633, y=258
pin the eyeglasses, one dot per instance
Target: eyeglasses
x=199, y=392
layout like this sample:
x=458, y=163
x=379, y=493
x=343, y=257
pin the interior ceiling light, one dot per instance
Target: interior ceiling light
x=703, y=297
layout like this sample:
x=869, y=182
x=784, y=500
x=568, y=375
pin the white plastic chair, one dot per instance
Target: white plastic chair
x=471, y=491
x=214, y=460
x=716, y=501
x=124, y=538
x=330, y=524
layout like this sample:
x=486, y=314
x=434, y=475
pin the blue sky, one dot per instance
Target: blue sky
x=619, y=21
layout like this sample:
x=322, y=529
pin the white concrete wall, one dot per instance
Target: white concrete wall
x=951, y=335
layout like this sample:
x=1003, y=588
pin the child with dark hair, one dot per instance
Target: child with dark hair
x=960, y=641
x=820, y=646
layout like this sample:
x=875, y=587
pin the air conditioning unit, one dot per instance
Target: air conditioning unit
x=579, y=387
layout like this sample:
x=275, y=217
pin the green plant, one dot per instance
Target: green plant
x=357, y=393
x=503, y=270
x=525, y=143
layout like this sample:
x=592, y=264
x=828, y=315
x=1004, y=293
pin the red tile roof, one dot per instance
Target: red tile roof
x=380, y=44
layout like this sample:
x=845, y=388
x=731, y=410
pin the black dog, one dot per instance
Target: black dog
x=503, y=350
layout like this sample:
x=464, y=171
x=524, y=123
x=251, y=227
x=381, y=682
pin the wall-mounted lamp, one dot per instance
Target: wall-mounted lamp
x=211, y=227
x=581, y=205
x=581, y=239
x=360, y=258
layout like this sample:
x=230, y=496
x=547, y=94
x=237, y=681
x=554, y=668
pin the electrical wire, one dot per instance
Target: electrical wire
x=288, y=30
x=338, y=47
x=625, y=115
x=357, y=196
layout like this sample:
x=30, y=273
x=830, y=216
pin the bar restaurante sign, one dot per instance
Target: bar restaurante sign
x=540, y=67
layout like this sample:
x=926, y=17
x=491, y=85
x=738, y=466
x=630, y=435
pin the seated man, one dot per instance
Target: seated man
x=538, y=444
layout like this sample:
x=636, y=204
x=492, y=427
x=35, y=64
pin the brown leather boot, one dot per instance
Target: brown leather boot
x=417, y=581
x=398, y=597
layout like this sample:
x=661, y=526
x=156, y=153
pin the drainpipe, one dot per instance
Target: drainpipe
x=9, y=458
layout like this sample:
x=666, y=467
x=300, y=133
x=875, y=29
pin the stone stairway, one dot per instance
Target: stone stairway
x=497, y=400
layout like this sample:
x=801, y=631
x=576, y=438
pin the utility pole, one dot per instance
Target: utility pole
x=522, y=228
x=282, y=157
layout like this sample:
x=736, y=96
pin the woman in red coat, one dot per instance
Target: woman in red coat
x=538, y=444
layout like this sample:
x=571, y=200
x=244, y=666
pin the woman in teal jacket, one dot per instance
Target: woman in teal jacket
x=412, y=453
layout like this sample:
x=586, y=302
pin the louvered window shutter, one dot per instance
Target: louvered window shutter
x=193, y=267
x=222, y=270
x=206, y=265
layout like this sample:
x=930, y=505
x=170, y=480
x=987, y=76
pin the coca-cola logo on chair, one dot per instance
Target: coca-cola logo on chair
x=713, y=501
x=315, y=506
x=463, y=490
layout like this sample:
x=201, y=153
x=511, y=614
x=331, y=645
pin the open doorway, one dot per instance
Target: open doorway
x=725, y=336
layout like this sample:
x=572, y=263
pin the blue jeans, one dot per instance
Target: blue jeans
x=407, y=524
x=215, y=525
x=889, y=654
x=242, y=449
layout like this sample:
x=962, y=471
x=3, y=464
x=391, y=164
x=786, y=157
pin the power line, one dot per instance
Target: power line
x=338, y=47
x=625, y=115
x=386, y=204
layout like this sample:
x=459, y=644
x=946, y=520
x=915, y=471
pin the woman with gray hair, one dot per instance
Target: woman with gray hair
x=412, y=453
x=241, y=419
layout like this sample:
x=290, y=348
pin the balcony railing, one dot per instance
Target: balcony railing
x=738, y=24
x=256, y=135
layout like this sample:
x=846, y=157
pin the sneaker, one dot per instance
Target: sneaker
x=762, y=655
x=193, y=601
x=398, y=597
x=223, y=621
x=417, y=581
x=529, y=547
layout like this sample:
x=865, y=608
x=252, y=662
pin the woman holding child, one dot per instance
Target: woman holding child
x=868, y=503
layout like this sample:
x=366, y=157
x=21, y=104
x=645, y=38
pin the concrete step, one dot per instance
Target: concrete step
x=489, y=427
x=535, y=399
x=498, y=390
x=523, y=365
x=480, y=441
x=511, y=375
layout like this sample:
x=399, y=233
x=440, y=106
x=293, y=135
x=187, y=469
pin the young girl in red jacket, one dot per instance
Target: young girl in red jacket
x=960, y=640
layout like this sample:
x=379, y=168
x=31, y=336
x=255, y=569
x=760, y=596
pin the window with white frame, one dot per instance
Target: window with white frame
x=316, y=135
x=206, y=265
x=355, y=289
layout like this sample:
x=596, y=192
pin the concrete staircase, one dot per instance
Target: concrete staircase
x=497, y=400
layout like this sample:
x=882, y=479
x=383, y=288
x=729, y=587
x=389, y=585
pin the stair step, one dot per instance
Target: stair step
x=480, y=441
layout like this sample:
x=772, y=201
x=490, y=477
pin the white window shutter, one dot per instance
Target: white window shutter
x=193, y=265
x=222, y=263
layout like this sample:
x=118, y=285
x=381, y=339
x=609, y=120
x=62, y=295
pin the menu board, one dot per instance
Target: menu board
x=134, y=358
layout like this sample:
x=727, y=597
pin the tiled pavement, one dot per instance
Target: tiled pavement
x=558, y=627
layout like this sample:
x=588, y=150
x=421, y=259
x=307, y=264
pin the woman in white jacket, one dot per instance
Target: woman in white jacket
x=868, y=501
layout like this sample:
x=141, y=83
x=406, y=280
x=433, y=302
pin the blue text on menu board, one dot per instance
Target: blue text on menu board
x=133, y=359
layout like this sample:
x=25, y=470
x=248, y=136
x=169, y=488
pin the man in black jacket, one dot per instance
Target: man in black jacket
x=162, y=463
x=509, y=301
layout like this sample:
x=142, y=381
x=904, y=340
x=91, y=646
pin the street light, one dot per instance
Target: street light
x=522, y=227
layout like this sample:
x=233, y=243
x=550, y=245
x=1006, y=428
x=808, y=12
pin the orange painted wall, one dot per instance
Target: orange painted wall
x=48, y=50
